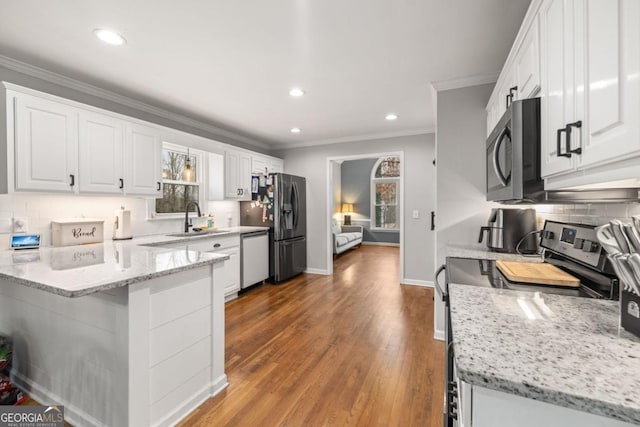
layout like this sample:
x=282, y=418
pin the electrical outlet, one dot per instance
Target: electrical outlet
x=20, y=225
x=6, y=225
x=416, y=214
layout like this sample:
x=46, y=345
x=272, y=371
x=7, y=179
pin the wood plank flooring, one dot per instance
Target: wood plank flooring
x=352, y=349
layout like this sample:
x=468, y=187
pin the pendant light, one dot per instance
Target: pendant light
x=187, y=173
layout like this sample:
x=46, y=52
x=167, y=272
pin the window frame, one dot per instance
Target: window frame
x=382, y=180
x=200, y=180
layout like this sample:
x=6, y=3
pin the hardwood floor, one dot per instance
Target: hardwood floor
x=355, y=348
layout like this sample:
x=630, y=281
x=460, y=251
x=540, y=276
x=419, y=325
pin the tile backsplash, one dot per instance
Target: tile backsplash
x=40, y=209
x=595, y=214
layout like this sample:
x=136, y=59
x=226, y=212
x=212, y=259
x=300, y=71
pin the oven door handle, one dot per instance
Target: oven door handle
x=439, y=290
x=496, y=162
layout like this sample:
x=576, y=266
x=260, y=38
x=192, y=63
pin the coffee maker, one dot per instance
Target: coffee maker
x=507, y=227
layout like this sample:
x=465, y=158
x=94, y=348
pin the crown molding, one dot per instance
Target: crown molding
x=89, y=89
x=457, y=83
x=354, y=138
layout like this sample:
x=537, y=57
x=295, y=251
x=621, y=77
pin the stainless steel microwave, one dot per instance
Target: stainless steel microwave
x=513, y=155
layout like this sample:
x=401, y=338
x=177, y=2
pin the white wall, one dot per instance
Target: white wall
x=311, y=162
x=460, y=152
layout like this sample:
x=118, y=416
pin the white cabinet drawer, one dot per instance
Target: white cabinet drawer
x=217, y=244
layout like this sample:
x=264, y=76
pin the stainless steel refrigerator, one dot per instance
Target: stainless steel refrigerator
x=279, y=201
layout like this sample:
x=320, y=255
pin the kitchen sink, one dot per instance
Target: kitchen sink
x=197, y=233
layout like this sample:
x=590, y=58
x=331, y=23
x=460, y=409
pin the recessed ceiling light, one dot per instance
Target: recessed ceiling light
x=108, y=36
x=296, y=91
x=296, y=130
x=391, y=117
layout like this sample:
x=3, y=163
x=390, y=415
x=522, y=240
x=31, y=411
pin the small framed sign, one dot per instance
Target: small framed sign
x=25, y=241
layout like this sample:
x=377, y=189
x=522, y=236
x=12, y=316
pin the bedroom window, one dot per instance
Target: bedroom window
x=181, y=177
x=385, y=189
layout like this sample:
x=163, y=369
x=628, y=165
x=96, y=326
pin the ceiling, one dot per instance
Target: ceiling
x=232, y=63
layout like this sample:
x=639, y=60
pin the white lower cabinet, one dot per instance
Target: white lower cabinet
x=490, y=408
x=229, y=274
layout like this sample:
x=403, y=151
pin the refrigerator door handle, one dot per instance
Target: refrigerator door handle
x=296, y=206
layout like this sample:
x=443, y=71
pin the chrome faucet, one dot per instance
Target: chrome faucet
x=187, y=224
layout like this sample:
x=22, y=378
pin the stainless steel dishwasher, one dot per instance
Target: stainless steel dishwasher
x=254, y=248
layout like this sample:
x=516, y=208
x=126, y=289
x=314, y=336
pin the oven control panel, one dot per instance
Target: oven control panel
x=576, y=241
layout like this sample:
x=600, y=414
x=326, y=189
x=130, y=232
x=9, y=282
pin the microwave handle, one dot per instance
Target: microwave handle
x=496, y=153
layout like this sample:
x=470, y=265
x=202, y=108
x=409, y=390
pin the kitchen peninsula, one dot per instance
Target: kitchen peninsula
x=120, y=334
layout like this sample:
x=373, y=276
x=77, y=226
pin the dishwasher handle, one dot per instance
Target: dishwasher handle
x=255, y=234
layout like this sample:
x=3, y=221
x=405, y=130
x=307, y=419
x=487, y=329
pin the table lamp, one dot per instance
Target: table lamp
x=347, y=208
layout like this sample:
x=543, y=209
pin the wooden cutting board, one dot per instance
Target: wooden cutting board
x=536, y=273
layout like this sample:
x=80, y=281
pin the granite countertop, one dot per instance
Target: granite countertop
x=75, y=271
x=478, y=252
x=566, y=351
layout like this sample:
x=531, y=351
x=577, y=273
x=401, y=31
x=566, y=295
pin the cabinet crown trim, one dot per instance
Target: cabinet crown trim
x=61, y=80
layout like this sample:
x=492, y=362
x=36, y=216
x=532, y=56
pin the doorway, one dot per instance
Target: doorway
x=373, y=199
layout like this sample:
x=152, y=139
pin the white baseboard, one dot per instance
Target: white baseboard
x=321, y=271
x=74, y=415
x=194, y=401
x=397, y=245
x=78, y=417
x=438, y=335
x=416, y=282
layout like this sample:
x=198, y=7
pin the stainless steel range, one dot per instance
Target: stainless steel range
x=573, y=248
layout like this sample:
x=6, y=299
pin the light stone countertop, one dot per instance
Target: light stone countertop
x=566, y=351
x=477, y=252
x=74, y=271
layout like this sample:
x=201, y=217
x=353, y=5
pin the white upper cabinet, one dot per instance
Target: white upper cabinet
x=143, y=161
x=266, y=165
x=520, y=77
x=118, y=156
x=591, y=91
x=527, y=64
x=237, y=175
x=101, y=151
x=582, y=57
x=277, y=166
x=558, y=98
x=260, y=164
x=45, y=143
x=612, y=57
